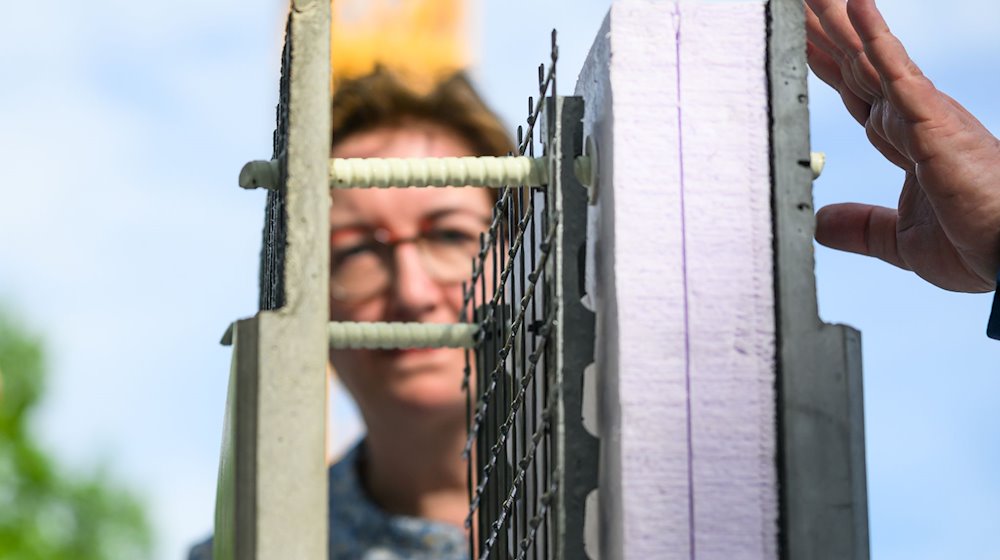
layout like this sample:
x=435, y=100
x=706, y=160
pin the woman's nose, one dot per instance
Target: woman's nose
x=413, y=289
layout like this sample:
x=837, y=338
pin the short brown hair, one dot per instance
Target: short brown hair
x=382, y=99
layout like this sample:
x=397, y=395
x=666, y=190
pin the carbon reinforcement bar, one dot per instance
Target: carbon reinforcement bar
x=366, y=173
x=385, y=336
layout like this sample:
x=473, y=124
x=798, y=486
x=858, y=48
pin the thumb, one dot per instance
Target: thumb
x=860, y=228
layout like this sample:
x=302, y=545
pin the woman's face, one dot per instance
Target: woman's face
x=399, y=255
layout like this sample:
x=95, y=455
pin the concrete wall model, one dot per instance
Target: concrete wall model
x=711, y=414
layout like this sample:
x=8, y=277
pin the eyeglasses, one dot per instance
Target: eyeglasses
x=362, y=262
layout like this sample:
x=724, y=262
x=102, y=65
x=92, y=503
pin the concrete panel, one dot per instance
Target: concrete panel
x=272, y=501
x=821, y=407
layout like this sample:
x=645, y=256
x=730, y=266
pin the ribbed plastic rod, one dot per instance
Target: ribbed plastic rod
x=386, y=336
x=484, y=171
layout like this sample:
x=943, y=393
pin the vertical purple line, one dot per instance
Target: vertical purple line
x=684, y=273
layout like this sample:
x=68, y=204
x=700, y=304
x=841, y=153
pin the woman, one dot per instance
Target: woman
x=400, y=255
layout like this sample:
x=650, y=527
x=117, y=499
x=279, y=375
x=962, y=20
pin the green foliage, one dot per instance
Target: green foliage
x=47, y=512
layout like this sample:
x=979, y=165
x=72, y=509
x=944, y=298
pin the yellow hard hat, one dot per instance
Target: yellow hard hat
x=421, y=41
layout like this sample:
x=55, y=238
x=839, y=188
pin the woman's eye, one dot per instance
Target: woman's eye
x=450, y=236
x=343, y=254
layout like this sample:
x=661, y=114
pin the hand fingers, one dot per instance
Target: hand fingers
x=910, y=92
x=846, y=83
x=816, y=34
x=877, y=136
x=860, y=228
x=859, y=73
x=828, y=71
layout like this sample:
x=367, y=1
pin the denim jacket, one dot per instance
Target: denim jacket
x=359, y=530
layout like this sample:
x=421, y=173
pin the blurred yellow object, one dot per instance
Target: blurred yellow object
x=421, y=41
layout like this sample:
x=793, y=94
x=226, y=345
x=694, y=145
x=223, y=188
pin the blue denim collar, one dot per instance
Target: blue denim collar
x=361, y=530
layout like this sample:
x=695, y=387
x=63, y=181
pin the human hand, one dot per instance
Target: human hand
x=947, y=226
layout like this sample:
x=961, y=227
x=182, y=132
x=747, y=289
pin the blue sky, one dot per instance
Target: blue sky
x=127, y=243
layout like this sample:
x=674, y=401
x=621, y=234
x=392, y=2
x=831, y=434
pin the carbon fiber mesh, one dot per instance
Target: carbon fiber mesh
x=511, y=392
x=272, y=253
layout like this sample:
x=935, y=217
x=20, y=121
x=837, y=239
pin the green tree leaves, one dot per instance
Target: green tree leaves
x=46, y=511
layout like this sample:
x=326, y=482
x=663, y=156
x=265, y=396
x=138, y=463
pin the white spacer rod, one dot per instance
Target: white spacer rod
x=484, y=171
x=817, y=161
x=345, y=335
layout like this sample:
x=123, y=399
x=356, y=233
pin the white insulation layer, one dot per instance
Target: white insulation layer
x=681, y=278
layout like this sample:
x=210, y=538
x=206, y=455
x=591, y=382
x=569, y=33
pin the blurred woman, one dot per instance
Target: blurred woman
x=400, y=255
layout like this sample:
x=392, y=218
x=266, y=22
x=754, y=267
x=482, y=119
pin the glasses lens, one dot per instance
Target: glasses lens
x=357, y=267
x=361, y=262
x=449, y=251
